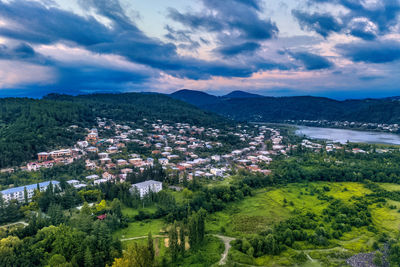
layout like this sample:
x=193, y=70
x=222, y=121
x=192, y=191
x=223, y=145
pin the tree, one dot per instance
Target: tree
x=116, y=208
x=56, y=214
x=182, y=239
x=88, y=258
x=8, y=248
x=134, y=256
x=57, y=260
x=173, y=242
x=25, y=195
x=150, y=246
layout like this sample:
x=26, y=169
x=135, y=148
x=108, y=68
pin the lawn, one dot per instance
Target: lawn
x=137, y=229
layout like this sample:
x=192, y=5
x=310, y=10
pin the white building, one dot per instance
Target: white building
x=17, y=193
x=145, y=187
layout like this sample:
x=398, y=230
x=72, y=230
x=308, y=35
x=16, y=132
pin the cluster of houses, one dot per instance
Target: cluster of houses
x=181, y=149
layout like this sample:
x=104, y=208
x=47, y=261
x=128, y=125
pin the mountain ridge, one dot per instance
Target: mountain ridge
x=278, y=109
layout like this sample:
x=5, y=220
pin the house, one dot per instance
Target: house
x=102, y=217
x=100, y=181
x=92, y=149
x=90, y=166
x=93, y=176
x=17, y=193
x=163, y=161
x=146, y=187
x=122, y=162
x=112, y=149
x=42, y=156
x=93, y=136
x=73, y=182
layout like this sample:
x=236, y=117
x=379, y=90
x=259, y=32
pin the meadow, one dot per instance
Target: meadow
x=270, y=206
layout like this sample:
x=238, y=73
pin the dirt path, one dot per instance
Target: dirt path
x=227, y=240
x=140, y=237
x=11, y=224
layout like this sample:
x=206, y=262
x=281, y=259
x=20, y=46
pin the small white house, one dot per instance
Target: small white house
x=146, y=187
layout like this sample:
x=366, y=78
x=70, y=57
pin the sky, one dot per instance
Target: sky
x=334, y=48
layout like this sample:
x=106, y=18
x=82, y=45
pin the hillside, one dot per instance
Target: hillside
x=278, y=109
x=196, y=98
x=30, y=126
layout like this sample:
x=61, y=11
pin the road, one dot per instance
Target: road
x=227, y=240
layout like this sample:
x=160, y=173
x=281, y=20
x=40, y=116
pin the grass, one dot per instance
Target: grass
x=390, y=187
x=137, y=229
x=261, y=211
x=346, y=190
x=270, y=206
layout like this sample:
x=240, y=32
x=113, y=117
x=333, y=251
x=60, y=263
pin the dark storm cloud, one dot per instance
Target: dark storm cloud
x=311, y=61
x=236, y=22
x=122, y=37
x=384, y=14
x=232, y=50
x=371, y=52
x=322, y=23
x=19, y=52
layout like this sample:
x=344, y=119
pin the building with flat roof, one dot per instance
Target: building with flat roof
x=146, y=187
x=17, y=193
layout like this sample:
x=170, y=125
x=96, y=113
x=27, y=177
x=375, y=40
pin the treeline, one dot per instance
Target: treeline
x=59, y=240
x=138, y=106
x=337, y=167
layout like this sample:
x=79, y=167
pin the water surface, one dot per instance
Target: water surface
x=342, y=135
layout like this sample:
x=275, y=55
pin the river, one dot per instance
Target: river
x=343, y=135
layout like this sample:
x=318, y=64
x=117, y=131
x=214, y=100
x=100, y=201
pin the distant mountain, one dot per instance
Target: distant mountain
x=196, y=98
x=243, y=106
x=241, y=94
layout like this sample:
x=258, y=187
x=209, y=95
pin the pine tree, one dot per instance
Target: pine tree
x=193, y=231
x=150, y=246
x=182, y=239
x=173, y=243
x=26, y=195
x=88, y=259
x=201, y=216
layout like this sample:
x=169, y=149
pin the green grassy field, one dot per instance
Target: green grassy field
x=137, y=229
x=270, y=206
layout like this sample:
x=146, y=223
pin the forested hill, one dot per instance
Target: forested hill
x=278, y=109
x=30, y=126
x=137, y=106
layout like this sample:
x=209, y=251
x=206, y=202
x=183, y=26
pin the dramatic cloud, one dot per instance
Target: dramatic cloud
x=104, y=45
x=322, y=23
x=236, y=23
x=312, y=61
x=231, y=50
x=371, y=52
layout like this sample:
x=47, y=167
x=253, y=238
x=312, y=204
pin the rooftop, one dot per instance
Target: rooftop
x=28, y=187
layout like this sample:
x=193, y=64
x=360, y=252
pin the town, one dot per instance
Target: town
x=113, y=151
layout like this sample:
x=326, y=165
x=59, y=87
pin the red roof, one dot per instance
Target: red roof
x=102, y=217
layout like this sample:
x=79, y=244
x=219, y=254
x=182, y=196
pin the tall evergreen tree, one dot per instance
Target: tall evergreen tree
x=150, y=246
x=173, y=242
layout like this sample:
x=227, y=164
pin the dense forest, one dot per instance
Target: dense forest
x=277, y=109
x=30, y=126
